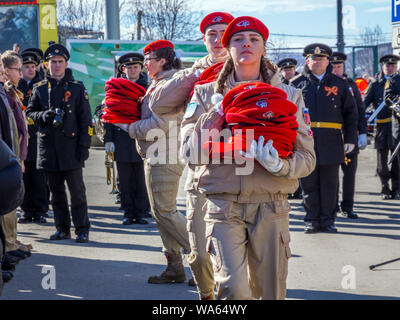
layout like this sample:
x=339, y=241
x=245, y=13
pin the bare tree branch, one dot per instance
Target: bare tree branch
x=76, y=18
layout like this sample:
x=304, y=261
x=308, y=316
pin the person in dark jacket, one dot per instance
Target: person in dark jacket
x=36, y=201
x=333, y=118
x=392, y=92
x=59, y=106
x=287, y=69
x=130, y=66
x=383, y=137
x=130, y=171
x=350, y=167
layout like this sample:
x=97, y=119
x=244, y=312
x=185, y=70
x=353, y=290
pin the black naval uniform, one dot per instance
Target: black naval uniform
x=383, y=136
x=36, y=200
x=130, y=170
x=134, y=202
x=286, y=64
x=349, y=167
x=62, y=151
x=392, y=91
x=334, y=123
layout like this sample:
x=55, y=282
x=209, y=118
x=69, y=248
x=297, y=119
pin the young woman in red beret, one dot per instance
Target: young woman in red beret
x=212, y=27
x=157, y=138
x=247, y=214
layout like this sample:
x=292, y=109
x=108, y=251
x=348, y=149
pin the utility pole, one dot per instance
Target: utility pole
x=340, y=38
x=139, y=24
x=112, y=20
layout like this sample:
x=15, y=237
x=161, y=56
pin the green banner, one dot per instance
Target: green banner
x=92, y=61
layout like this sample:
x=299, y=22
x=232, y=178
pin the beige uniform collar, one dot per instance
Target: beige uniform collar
x=162, y=75
x=231, y=82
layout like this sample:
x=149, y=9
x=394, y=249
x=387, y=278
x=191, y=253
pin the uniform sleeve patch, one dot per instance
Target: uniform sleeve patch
x=90, y=131
x=86, y=95
x=306, y=116
x=351, y=91
x=190, y=110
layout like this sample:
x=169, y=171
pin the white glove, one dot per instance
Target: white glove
x=362, y=141
x=197, y=73
x=123, y=126
x=109, y=147
x=348, y=147
x=266, y=155
x=216, y=100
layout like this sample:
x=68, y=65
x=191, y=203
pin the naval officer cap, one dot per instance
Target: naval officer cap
x=317, y=50
x=389, y=58
x=338, y=57
x=30, y=57
x=56, y=50
x=287, y=63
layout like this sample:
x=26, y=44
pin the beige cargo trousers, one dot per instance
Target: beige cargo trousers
x=162, y=183
x=199, y=259
x=249, y=248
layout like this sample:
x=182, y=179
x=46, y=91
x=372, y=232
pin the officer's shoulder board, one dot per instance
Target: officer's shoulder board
x=76, y=82
x=40, y=83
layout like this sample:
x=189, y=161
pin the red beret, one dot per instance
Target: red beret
x=215, y=18
x=158, y=44
x=244, y=23
x=122, y=101
x=265, y=111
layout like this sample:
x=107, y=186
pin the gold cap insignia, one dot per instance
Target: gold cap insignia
x=317, y=50
x=56, y=51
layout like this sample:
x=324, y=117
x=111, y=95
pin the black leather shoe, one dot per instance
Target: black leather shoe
x=7, y=275
x=60, y=235
x=385, y=196
x=11, y=259
x=18, y=254
x=140, y=221
x=6, y=266
x=82, y=238
x=191, y=282
x=24, y=220
x=309, y=228
x=39, y=219
x=396, y=195
x=329, y=229
x=127, y=221
x=350, y=214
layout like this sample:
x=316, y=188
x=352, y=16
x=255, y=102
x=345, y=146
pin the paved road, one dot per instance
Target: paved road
x=117, y=261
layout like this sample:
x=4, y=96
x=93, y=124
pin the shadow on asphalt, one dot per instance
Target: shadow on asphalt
x=92, y=279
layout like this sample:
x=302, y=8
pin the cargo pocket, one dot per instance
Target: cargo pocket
x=218, y=209
x=284, y=254
x=213, y=249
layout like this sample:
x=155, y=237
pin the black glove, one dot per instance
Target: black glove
x=48, y=116
x=84, y=153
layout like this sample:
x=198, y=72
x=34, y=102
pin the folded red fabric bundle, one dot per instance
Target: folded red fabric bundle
x=265, y=111
x=209, y=75
x=122, y=97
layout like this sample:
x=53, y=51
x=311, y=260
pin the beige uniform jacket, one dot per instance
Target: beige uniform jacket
x=221, y=180
x=161, y=114
x=201, y=65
